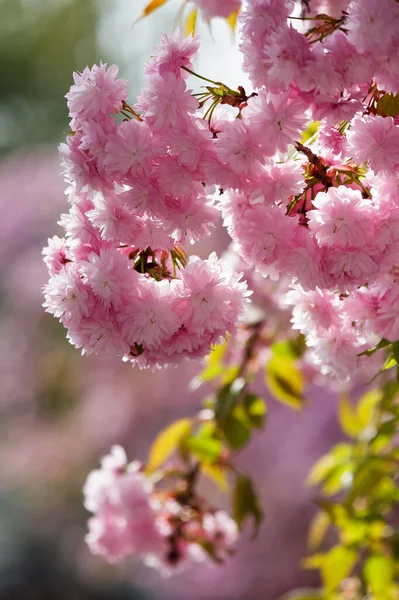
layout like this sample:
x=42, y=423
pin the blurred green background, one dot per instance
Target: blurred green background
x=43, y=41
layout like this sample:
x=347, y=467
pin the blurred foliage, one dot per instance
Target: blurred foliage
x=357, y=519
x=41, y=43
x=360, y=495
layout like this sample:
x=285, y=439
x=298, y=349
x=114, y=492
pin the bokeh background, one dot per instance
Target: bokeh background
x=59, y=412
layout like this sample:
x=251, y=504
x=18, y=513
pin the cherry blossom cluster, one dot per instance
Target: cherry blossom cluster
x=324, y=214
x=146, y=182
x=120, y=280
x=165, y=529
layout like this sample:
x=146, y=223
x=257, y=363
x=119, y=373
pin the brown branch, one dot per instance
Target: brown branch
x=316, y=161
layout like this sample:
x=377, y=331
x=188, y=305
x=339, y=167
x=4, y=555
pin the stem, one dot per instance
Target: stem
x=249, y=349
x=199, y=76
x=316, y=162
x=131, y=111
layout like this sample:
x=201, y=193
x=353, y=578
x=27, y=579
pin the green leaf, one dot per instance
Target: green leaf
x=366, y=478
x=318, y=529
x=230, y=373
x=354, y=532
x=389, y=363
x=206, y=449
x=284, y=349
x=255, y=409
x=190, y=23
x=388, y=428
x=340, y=476
x=226, y=399
x=310, y=131
x=382, y=344
x=340, y=454
x=337, y=565
x=388, y=105
x=214, y=365
x=285, y=382
x=347, y=417
x=217, y=474
x=246, y=503
x=379, y=572
x=167, y=442
x=395, y=351
x=236, y=428
x=366, y=407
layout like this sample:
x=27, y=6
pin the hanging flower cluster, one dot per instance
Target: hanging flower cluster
x=167, y=529
x=120, y=280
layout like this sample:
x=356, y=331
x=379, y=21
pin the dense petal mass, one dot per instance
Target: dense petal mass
x=315, y=204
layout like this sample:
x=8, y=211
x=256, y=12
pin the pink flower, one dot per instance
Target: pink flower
x=379, y=134
x=96, y=93
x=260, y=17
x=131, y=148
x=265, y=234
x=274, y=121
x=221, y=531
x=216, y=297
x=351, y=266
x=341, y=218
x=173, y=53
x=287, y=52
x=166, y=103
x=314, y=310
x=55, y=254
x=150, y=315
x=114, y=220
x=239, y=150
x=193, y=218
x=372, y=24
x=124, y=521
x=278, y=182
x=386, y=322
x=67, y=297
x=108, y=275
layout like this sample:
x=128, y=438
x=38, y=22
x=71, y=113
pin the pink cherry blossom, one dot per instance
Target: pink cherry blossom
x=96, y=93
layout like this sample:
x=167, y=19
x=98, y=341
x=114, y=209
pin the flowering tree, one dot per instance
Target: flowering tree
x=303, y=172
